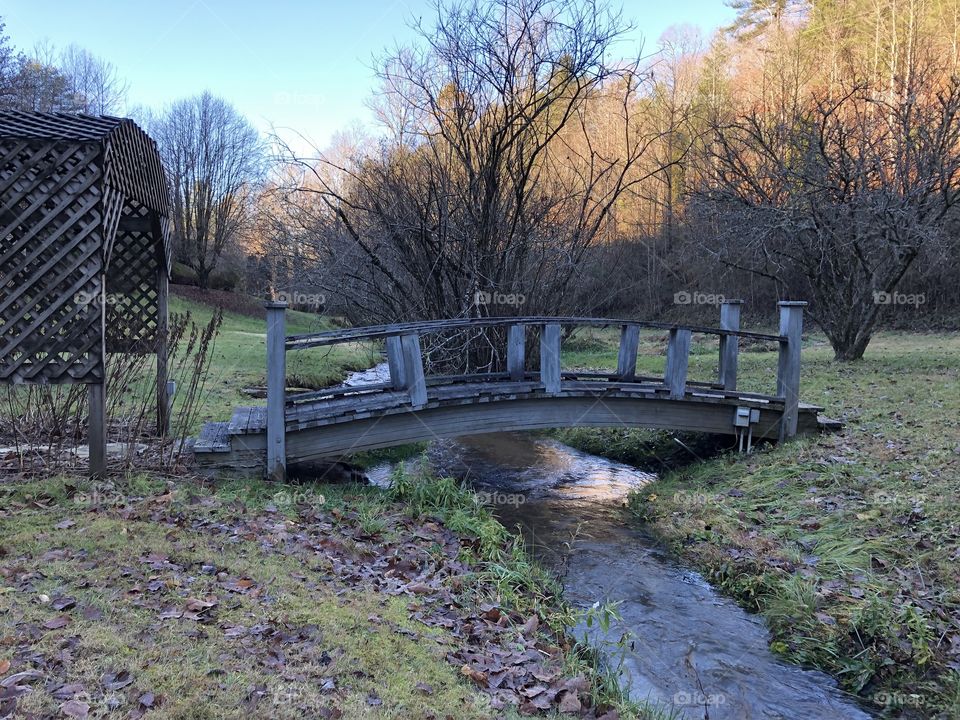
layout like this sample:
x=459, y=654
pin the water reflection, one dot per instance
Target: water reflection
x=692, y=649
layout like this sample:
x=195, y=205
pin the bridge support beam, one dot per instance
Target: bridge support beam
x=627, y=356
x=414, y=380
x=276, y=391
x=550, y=357
x=678, y=356
x=788, y=366
x=395, y=362
x=516, y=351
x=729, y=344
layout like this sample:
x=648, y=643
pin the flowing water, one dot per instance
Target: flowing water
x=691, y=649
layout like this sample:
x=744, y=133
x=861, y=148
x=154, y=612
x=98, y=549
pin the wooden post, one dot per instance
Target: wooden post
x=414, y=379
x=395, y=362
x=516, y=349
x=788, y=366
x=163, y=389
x=678, y=355
x=550, y=357
x=97, y=429
x=729, y=344
x=627, y=357
x=276, y=391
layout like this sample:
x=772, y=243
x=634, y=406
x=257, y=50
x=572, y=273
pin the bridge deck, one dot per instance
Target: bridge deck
x=368, y=417
x=511, y=391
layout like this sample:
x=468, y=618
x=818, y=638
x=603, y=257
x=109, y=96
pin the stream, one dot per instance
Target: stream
x=690, y=648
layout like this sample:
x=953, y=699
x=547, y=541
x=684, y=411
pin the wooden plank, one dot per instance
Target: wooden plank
x=550, y=357
x=414, y=380
x=395, y=362
x=97, y=429
x=375, y=332
x=516, y=350
x=678, y=356
x=729, y=344
x=627, y=356
x=276, y=391
x=788, y=365
x=162, y=330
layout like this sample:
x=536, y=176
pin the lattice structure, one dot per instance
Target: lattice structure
x=84, y=208
x=84, y=249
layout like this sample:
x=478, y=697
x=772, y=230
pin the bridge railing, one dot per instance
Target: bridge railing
x=407, y=369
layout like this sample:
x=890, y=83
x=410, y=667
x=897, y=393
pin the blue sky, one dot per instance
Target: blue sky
x=291, y=63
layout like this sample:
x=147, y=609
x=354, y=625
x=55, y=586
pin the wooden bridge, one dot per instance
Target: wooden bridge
x=513, y=391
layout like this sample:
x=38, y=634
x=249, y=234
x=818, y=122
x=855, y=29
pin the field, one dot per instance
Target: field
x=239, y=360
x=847, y=544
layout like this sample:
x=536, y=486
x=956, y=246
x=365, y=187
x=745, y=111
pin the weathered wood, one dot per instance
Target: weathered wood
x=550, y=357
x=788, y=365
x=395, y=362
x=74, y=188
x=414, y=380
x=516, y=350
x=97, y=429
x=729, y=344
x=678, y=357
x=162, y=332
x=376, y=332
x=627, y=355
x=276, y=391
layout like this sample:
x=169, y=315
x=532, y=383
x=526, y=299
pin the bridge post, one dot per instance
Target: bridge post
x=788, y=366
x=627, y=356
x=550, y=357
x=276, y=390
x=395, y=362
x=729, y=344
x=413, y=378
x=516, y=349
x=678, y=356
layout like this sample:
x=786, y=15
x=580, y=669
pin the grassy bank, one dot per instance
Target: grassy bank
x=847, y=544
x=184, y=599
x=239, y=361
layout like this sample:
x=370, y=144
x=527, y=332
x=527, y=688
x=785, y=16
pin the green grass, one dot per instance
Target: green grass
x=847, y=544
x=289, y=632
x=240, y=357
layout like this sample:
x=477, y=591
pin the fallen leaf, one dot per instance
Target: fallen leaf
x=75, y=709
x=569, y=702
x=57, y=622
x=4, y=666
x=424, y=688
x=480, y=678
x=116, y=681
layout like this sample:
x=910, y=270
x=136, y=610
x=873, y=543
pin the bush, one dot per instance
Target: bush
x=182, y=274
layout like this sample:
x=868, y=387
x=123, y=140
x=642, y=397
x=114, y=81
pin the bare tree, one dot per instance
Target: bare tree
x=513, y=136
x=839, y=195
x=215, y=161
x=95, y=84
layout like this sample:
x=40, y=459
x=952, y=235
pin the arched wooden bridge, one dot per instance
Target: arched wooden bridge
x=514, y=392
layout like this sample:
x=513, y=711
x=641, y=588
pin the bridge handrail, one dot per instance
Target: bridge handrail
x=378, y=332
x=407, y=367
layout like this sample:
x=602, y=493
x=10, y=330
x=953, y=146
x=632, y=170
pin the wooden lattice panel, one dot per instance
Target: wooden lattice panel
x=132, y=307
x=51, y=261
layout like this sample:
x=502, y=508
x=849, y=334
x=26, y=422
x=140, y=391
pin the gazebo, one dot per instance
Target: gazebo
x=84, y=255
